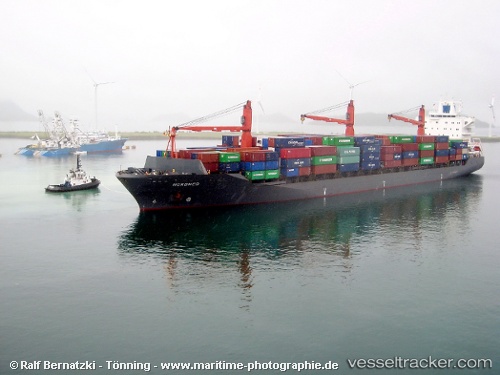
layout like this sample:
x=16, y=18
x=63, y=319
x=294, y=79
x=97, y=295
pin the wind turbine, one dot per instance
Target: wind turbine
x=259, y=102
x=351, y=86
x=96, y=85
x=492, y=106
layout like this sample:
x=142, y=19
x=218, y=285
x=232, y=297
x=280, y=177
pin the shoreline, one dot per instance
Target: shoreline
x=145, y=136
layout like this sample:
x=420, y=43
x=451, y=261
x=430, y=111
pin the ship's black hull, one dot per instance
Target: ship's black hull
x=159, y=189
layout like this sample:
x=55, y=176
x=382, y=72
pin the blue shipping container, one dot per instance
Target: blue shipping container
x=289, y=172
x=368, y=165
x=442, y=152
x=364, y=140
x=227, y=140
x=254, y=166
x=294, y=163
x=272, y=156
x=272, y=164
x=442, y=138
x=458, y=144
x=369, y=148
x=349, y=167
x=370, y=156
x=230, y=167
x=289, y=142
x=410, y=154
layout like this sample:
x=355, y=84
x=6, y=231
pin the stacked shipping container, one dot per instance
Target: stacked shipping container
x=296, y=156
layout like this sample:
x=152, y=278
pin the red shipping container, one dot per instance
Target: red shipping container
x=459, y=152
x=253, y=156
x=442, y=159
x=386, y=157
x=211, y=167
x=408, y=162
x=391, y=163
x=390, y=149
x=426, y=139
x=409, y=147
x=385, y=139
x=242, y=149
x=426, y=153
x=324, y=169
x=287, y=153
x=186, y=154
x=323, y=150
x=317, y=141
x=441, y=146
x=207, y=157
x=304, y=171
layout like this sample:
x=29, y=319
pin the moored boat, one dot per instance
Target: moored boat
x=287, y=168
x=76, y=179
x=62, y=140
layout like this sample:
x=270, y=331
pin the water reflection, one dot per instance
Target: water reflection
x=297, y=233
x=75, y=199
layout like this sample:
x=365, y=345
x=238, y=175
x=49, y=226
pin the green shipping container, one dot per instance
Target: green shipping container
x=229, y=157
x=272, y=174
x=348, y=151
x=256, y=175
x=348, y=159
x=342, y=141
x=338, y=141
x=402, y=138
x=323, y=160
x=425, y=146
x=426, y=161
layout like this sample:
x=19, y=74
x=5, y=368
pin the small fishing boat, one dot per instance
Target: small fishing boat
x=76, y=179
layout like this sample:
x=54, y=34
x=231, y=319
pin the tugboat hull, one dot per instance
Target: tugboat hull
x=62, y=188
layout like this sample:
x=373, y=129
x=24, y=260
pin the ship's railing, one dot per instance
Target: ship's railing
x=475, y=147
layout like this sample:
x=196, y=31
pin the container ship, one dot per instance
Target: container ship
x=245, y=170
x=62, y=140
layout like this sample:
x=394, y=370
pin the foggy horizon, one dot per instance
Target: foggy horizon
x=155, y=59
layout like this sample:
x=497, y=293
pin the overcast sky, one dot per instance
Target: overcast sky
x=198, y=57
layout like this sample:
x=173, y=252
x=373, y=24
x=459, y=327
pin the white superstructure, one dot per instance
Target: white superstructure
x=446, y=119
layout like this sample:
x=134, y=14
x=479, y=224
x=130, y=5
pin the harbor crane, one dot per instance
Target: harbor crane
x=348, y=122
x=420, y=122
x=245, y=128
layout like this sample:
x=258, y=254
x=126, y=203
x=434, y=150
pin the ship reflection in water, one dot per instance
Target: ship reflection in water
x=309, y=234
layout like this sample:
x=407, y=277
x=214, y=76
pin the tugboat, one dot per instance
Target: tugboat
x=76, y=179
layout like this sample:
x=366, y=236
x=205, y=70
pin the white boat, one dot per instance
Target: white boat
x=76, y=179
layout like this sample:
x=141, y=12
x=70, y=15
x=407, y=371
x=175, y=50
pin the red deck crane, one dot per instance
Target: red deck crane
x=420, y=122
x=245, y=128
x=348, y=122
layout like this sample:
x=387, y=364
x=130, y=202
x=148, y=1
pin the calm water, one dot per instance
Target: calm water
x=84, y=277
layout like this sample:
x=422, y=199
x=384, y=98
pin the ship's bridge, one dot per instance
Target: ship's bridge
x=447, y=120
